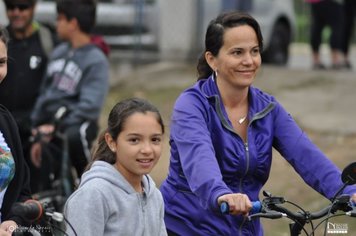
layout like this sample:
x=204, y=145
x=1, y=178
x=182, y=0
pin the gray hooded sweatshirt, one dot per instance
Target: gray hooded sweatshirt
x=77, y=79
x=106, y=204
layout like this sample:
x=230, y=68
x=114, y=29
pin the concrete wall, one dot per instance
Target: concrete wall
x=3, y=18
x=177, y=27
x=182, y=27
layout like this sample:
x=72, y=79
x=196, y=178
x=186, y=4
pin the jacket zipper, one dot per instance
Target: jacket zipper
x=142, y=202
x=257, y=116
x=247, y=167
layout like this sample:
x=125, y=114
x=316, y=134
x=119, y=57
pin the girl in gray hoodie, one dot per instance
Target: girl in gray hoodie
x=116, y=195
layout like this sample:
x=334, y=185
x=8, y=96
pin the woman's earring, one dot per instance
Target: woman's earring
x=214, y=75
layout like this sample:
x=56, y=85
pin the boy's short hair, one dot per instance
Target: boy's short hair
x=82, y=10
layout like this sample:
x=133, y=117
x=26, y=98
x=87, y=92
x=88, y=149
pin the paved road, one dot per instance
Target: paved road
x=324, y=101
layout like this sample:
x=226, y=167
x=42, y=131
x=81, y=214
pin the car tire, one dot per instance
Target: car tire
x=277, y=51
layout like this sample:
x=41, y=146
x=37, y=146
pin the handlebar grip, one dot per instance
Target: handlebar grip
x=256, y=207
x=224, y=208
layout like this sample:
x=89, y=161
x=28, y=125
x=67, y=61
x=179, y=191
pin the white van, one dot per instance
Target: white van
x=130, y=24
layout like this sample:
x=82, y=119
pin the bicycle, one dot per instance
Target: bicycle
x=61, y=180
x=270, y=207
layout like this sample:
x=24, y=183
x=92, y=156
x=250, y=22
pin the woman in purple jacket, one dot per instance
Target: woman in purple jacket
x=222, y=133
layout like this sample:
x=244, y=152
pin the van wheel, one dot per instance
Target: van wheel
x=277, y=51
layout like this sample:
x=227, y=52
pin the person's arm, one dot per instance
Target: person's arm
x=19, y=187
x=306, y=158
x=37, y=112
x=191, y=135
x=86, y=210
x=92, y=94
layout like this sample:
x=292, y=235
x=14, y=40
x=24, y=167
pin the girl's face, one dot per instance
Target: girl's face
x=3, y=60
x=138, y=147
x=239, y=58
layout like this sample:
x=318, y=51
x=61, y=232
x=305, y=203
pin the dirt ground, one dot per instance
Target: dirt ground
x=321, y=102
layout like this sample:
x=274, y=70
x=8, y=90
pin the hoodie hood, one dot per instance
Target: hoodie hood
x=106, y=171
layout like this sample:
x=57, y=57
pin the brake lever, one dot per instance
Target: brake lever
x=267, y=214
x=343, y=203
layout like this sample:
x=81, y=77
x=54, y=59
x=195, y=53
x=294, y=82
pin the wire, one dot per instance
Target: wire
x=312, y=226
x=71, y=226
x=296, y=222
x=58, y=228
x=326, y=222
x=305, y=213
x=327, y=217
x=297, y=206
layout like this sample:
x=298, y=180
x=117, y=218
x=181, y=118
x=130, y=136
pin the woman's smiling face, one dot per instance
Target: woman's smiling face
x=239, y=57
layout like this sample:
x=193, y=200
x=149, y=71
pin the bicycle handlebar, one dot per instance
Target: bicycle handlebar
x=270, y=208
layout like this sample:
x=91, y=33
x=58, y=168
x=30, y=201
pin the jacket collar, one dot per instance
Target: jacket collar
x=260, y=104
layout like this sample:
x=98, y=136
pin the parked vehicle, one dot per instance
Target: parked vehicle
x=278, y=26
x=123, y=23
x=276, y=19
x=135, y=24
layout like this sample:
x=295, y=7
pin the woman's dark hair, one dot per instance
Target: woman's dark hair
x=82, y=10
x=4, y=35
x=214, y=37
x=116, y=121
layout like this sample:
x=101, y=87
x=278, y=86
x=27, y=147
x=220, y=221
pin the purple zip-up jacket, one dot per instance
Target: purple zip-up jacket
x=209, y=159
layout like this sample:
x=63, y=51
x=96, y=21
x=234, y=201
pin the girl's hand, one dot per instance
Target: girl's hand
x=238, y=203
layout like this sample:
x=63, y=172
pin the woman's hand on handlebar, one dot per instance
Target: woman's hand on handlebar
x=238, y=203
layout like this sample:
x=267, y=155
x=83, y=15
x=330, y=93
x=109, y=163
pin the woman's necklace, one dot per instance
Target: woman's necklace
x=242, y=119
